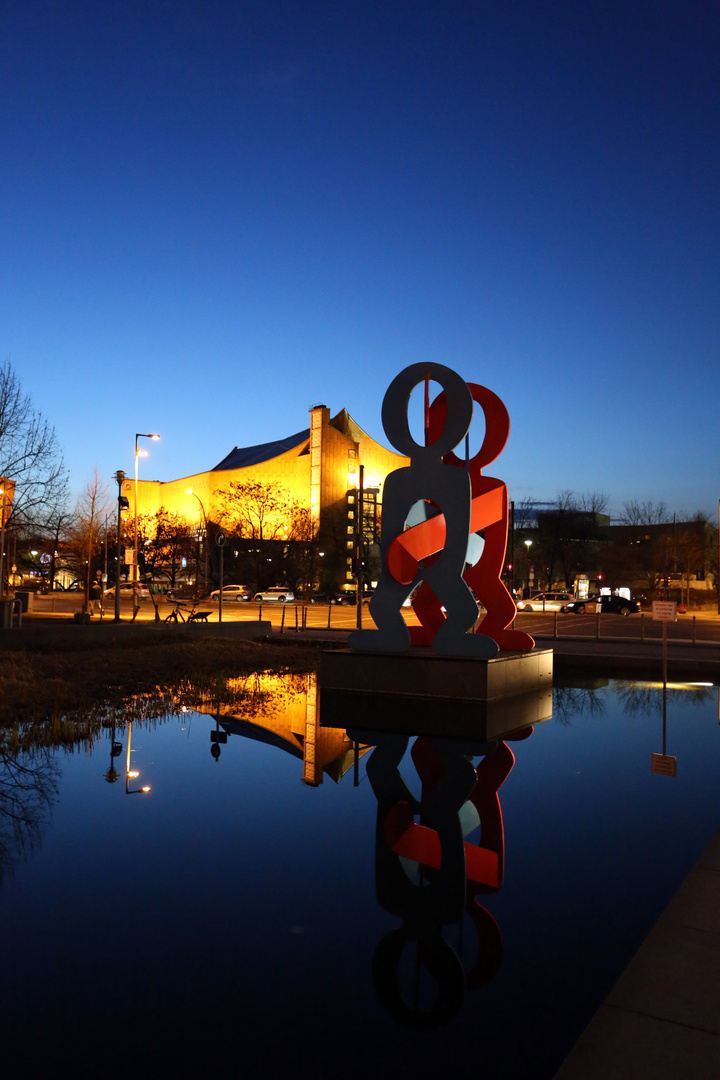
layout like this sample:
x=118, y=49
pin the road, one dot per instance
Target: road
x=704, y=626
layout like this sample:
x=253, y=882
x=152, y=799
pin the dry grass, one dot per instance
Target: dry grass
x=62, y=678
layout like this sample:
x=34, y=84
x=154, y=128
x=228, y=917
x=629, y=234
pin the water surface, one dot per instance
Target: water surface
x=229, y=921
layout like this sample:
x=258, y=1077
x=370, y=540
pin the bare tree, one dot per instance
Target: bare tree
x=91, y=510
x=272, y=526
x=164, y=538
x=29, y=453
x=526, y=513
x=592, y=502
x=644, y=513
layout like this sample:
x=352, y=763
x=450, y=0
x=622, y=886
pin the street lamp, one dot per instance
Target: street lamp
x=138, y=435
x=191, y=492
x=531, y=573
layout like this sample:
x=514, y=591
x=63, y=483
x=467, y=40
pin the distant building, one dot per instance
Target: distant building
x=319, y=467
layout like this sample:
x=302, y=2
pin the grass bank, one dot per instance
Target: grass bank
x=52, y=675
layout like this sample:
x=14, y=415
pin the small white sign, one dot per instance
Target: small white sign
x=664, y=611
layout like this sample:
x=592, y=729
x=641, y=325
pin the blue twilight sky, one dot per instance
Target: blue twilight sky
x=217, y=213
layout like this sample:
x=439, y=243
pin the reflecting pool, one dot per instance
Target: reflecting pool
x=240, y=891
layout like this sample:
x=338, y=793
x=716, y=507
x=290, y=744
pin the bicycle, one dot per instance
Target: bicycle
x=191, y=615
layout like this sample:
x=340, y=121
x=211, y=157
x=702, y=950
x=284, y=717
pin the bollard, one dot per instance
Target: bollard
x=282, y=621
x=259, y=612
x=555, y=626
x=597, y=626
x=694, y=641
x=329, y=610
x=642, y=625
x=296, y=619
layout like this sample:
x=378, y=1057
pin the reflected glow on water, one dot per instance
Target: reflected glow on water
x=276, y=903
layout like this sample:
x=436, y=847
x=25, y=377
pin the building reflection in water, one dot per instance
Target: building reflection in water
x=282, y=711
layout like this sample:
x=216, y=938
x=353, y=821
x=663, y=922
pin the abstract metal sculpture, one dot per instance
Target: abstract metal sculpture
x=433, y=512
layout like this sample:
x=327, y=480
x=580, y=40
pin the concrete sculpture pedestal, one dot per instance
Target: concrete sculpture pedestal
x=422, y=693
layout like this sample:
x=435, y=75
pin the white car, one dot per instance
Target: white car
x=274, y=596
x=232, y=592
x=546, y=601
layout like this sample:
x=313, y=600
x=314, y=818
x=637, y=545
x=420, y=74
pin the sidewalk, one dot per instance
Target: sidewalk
x=662, y=1017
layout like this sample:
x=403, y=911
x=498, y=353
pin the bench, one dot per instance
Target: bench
x=198, y=616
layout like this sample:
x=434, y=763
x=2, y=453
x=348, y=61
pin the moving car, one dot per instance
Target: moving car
x=546, y=601
x=614, y=605
x=274, y=595
x=126, y=590
x=232, y=592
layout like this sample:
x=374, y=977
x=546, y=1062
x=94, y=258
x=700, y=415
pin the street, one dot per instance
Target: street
x=704, y=626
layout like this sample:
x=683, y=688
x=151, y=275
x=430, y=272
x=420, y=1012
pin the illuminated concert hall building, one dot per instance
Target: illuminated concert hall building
x=319, y=468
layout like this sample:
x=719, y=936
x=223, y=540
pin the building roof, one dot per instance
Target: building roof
x=242, y=456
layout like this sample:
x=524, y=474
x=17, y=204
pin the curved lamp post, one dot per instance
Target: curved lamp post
x=191, y=492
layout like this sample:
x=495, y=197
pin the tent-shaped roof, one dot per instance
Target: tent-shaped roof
x=242, y=456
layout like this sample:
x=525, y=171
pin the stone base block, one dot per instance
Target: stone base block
x=421, y=693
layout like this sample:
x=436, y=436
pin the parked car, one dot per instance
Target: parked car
x=614, y=605
x=350, y=596
x=276, y=595
x=126, y=591
x=546, y=601
x=232, y=592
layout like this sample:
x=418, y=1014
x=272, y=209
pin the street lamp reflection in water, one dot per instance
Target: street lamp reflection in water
x=132, y=774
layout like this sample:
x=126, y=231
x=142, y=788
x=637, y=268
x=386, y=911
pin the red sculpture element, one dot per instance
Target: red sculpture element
x=489, y=513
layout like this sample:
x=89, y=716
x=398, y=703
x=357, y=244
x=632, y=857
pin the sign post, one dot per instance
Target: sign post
x=220, y=541
x=664, y=611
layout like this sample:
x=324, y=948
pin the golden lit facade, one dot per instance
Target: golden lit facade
x=319, y=468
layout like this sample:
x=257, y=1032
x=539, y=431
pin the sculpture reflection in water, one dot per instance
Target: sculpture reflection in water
x=431, y=874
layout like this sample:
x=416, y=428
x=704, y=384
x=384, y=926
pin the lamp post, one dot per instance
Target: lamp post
x=119, y=477
x=191, y=492
x=531, y=573
x=135, y=543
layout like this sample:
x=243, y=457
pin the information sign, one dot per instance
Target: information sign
x=664, y=764
x=664, y=611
